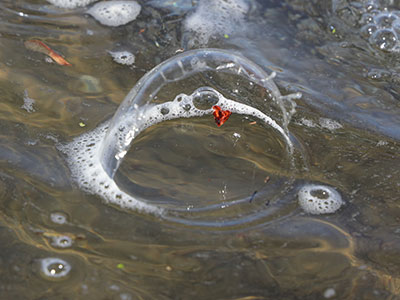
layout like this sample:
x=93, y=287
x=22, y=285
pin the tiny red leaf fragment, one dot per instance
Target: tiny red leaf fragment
x=220, y=116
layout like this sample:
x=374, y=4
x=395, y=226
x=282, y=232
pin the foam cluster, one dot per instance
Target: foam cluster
x=319, y=199
x=85, y=152
x=115, y=13
x=216, y=18
x=70, y=3
x=123, y=57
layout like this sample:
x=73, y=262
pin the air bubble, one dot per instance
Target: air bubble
x=62, y=241
x=384, y=39
x=54, y=268
x=368, y=30
x=59, y=217
x=385, y=20
x=164, y=111
x=205, y=101
x=319, y=199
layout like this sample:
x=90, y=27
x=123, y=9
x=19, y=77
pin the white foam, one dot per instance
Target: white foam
x=84, y=153
x=28, y=103
x=329, y=124
x=123, y=57
x=70, y=3
x=319, y=199
x=115, y=13
x=84, y=160
x=216, y=17
x=307, y=122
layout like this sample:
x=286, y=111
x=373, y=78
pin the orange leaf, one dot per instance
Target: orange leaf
x=39, y=46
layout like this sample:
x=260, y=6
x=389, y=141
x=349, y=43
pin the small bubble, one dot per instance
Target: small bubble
x=164, y=111
x=54, y=268
x=205, y=100
x=367, y=19
x=385, y=20
x=59, y=217
x=368, y=30
x=62, y=241
x=321, y=194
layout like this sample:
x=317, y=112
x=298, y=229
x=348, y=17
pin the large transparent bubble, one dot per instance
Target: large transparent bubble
x=96, y=156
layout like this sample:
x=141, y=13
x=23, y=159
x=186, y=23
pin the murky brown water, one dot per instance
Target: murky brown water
x=346, y=132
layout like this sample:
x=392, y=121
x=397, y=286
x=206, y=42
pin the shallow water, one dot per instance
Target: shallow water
x=235, y=230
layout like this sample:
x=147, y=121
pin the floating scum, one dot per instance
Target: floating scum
x=95, y=156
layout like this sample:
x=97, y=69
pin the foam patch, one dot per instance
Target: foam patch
x=216, y=18
x=319, y=199
x=71, y=3
x=115, y=13
x=123, y=57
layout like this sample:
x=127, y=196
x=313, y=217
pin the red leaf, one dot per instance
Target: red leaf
x=220, y=116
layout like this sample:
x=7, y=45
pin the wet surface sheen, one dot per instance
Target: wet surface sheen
x=58, y=242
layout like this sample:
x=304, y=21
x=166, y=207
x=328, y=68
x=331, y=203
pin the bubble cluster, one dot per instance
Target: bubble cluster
x=70, y=3
x=319, y=199
x=382, y=29
x=123, y=57
x=216, y=17
x=115, y=13
x=54, y=268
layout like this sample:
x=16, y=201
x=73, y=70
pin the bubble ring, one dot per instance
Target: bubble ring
x=131, y=118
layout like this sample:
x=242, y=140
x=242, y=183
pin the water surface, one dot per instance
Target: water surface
x=346, y=132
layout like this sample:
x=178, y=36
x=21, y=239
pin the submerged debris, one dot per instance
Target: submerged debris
x=39, y=46
x=252, y=196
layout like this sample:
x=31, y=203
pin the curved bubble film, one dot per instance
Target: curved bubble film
x=96, y=156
